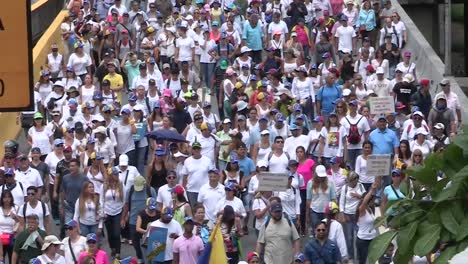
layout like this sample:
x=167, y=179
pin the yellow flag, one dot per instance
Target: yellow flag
x=218, y=253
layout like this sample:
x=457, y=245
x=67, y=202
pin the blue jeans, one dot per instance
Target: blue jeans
x=222, y=164
x=112, y=224
x=207, y=73
x=192, y=197
x=315, y=218
x=362, y=250
x=352, y=156
x=87, y=229
x=350, y=231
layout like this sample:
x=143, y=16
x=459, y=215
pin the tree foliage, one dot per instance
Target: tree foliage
x=435, y=214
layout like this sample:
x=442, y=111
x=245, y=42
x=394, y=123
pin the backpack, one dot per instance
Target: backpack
x=271, y=155
x=21, y=186
x=353, y=135
x=285, y=216
x=132, y=189
x=395, y=33
x=43, y=210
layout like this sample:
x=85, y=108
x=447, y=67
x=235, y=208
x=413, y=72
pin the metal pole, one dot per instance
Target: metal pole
x=448, y=38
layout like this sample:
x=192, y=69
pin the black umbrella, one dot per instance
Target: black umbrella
x=167, y=134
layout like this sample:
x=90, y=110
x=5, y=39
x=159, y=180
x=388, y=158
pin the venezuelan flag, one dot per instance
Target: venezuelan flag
x=214, y=252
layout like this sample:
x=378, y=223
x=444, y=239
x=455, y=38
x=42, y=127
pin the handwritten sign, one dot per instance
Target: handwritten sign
x=381, y=105
x=378, y=165
x=275, y=182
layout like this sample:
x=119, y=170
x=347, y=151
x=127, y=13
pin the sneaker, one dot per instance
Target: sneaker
x=130, y=242
x=123, y=240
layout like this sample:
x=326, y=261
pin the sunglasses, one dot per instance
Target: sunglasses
x=69, y=228
x=31, y=194
x=279, y=142
x=320, y=230
x=417, y=155
x=395, y=176
x=171, y=177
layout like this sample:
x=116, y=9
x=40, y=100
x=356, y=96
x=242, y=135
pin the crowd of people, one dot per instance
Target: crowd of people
x=123, y=137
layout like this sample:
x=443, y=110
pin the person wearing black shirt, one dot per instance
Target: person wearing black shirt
x=404, y=90
x=179, y=116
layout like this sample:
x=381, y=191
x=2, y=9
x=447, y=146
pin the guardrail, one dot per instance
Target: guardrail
x=52, y=35
x=43, y=12
x=428, y=63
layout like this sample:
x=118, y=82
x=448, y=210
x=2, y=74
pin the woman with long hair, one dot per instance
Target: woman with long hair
x=404, y=154
x=361, y=165
x=319, y=194
x=294, y=44
x=203, y=226
x=39, y=136
x=305, y=168
x=87, y=89
x=112, y=200
x=421, y=142
x=96, y=171
x=332, y=140
x=380, y=61
x=366, y=22
x=341, y=108
x=124, y=131
x=417, y=159
x=243, y=129
x=180, y=204
x=88, y=210
x=360, y=89
x=155, y=120
x=146, y=216
x=156, y=172
x=365, y=224
x=140, y=139
x=263, y=147
x=351, y=195
x=44, y=85
x=233, y=174
x=230, y=227
x=80, y=63
x=8, y=221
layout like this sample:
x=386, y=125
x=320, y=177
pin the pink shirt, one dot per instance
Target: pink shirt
x=188, y=249
x=100, y=258
x=337, y=6
x=306, y=169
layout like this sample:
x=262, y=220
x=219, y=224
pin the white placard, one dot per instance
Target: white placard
x=378, y=165
x=381, y=105
x=275, y=182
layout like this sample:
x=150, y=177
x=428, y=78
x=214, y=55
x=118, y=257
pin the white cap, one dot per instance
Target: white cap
x=321, y=171
x=138, y=107
x=262, y=163
x=245, y=49
x=100, y=129
x=123, y=160
x=346, y=92
x=265, y=132
x=227, y=121
x=98, y=118
x=419, y=113
x=184, y=24
x=439, y=126
x=241, y=105
x=421, y=130
x=189, y=17
x=408, y=78
x=444, y=81
x=380, y=70
x=369, y=92
x=180, y=154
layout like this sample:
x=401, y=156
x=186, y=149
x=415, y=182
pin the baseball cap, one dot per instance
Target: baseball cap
x=92, y=237
x=179, y=190
x=276, y=207
x=50, y=240
x=36, y=150
x=346, y=92
x=230, y=186
x=321, y=171
x=318, y=119
x=293, y=127
x=380, y=70
x=179, y=154
x=58, y=141
x=262, y=163
x=227, y=121
x=253, y=255
x=213, y=170
x=196, y=144
x=444, y=81
x=123, y=160
x=265, y=132
x=439, y=126
x=188, y=220
x=151, y=203
x=299, y=257
x=167, y=212
x=72, y=223
x=9, y=171
x=139, y=183
x=292, y=162
x=396, y=171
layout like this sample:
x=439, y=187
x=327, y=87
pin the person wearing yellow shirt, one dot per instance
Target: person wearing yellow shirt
x=115, y=79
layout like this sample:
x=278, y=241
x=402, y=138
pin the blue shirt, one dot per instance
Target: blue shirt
x=247, y=166
x=327, y=95
x=384, y=142
x=366, y=18
x=138, y=203
x=318, y=254
x=253, y=36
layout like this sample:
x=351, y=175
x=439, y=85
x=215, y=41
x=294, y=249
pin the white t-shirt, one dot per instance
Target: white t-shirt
x=381, y=88
x=236, y=204
x=333, y=141
x=345, y=37
x=59, y=259
x=124, y=138
x=291, y=143
x=37, y=210
x=363, y=126
x=132, y=172
x=7, y=223
x=77, y=247
x=209, y=197
x=30, y=177
x=52, y=160
x=281, y=26
x=197, y=171
x=79, y=64
x=259, y=204
x=278, y=164
x=185, y=46
x=41, y=139
x=205, y=57
x=165, y=195
x=172, y=227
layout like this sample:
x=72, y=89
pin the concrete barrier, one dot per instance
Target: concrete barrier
x=52, y=35
x=43, y=12
x=428, y=63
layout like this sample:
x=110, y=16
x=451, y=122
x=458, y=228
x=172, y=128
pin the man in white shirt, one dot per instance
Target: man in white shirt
x=296, y=140
x=345, y=37
x=174, y=230
x=195, y=172
x=231, y=200
x=210, y=193
x=28, y=176
x=73, y=244
x=142, y=79
x=389, y=30
x=34, y=206
x=452, y=99
x=208, y=142
x=127, y=173
x=164, y=197
x=351, y=122
x=381, y=85
x=121, y=9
